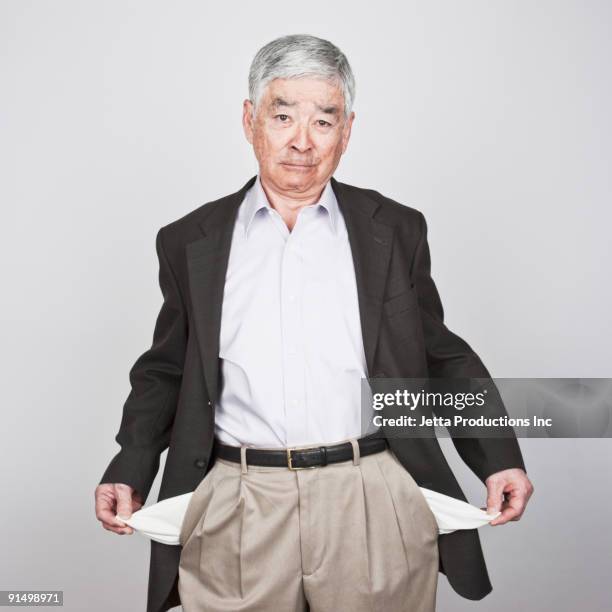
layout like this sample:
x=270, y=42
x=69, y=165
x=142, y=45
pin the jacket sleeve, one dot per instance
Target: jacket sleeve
x=155, y=378
x=449, y=356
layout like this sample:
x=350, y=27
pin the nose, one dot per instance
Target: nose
x=301, y=139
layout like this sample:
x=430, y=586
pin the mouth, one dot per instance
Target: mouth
x=299, y=167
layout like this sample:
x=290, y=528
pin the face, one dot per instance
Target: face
x=298, y=133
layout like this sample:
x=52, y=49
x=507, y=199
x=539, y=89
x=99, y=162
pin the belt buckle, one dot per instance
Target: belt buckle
x=290, y=463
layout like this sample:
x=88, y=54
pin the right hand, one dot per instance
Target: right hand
x=112, y=499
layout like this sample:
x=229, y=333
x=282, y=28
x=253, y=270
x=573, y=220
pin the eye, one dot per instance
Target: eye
x=283, y=118
x=323, y=123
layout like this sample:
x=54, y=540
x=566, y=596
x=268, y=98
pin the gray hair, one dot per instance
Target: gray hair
x=301, y=55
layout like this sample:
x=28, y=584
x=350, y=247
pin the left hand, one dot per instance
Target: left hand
x=508, y=491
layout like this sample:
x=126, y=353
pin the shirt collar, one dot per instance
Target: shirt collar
x=256, y=199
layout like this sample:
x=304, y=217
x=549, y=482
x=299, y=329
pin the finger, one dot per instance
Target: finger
x=508, y=514
x=123, y=526
x=119, y=530
x=124, y=500
x=512, y=509
x=495, y=495
x=105, y=509
x=109, y=518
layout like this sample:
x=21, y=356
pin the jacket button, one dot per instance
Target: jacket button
x=209, y=403
x=200, y=463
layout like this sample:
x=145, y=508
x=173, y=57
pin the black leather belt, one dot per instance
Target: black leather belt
x=302, y=458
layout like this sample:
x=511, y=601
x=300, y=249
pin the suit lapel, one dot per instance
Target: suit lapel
x=208, y=256
x=371, y=243
x=207, y=260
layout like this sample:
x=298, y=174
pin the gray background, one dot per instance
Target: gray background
x=493, y=118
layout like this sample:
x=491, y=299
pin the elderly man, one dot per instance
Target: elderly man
x=278, y=300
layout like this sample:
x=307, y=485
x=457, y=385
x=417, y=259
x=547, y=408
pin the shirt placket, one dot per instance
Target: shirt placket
x=296, y=421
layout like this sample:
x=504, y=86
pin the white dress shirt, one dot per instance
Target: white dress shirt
x=291, y=347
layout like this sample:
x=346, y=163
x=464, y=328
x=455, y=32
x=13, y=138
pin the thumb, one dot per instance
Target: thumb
x=495, y=493
x=123, y=494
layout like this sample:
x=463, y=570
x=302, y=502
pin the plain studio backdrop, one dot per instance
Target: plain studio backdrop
x=492, y=118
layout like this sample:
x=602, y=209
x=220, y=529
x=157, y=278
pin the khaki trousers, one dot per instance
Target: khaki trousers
x=352, y=536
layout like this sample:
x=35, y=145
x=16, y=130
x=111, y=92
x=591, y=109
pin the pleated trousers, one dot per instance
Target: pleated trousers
x=354, y=536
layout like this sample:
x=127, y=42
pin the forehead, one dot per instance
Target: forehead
x=303, y=91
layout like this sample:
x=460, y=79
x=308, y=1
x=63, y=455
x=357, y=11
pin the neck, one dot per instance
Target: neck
x=288, y=205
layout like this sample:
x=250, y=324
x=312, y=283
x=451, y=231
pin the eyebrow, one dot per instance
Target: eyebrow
x=328, y=110
x=280, y=102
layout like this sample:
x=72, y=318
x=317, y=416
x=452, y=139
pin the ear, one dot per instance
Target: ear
x=248, y=119
x=346, y=131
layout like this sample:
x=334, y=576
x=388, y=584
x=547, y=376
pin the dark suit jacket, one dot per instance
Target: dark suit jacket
x=175, y=383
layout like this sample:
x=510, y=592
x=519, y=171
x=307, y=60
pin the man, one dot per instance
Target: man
x=278, y=300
